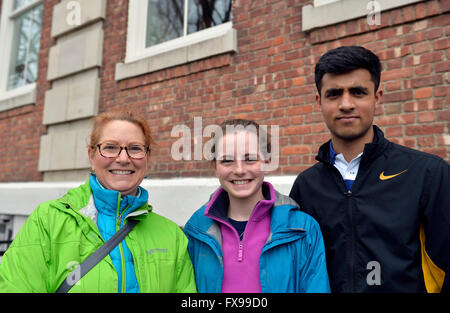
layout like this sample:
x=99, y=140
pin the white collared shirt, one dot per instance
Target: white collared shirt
x=348, y=170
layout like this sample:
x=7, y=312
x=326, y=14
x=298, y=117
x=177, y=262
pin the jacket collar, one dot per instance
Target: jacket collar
x=371, y=150
x=285, y=218
x=217, y=207
x=109, y=201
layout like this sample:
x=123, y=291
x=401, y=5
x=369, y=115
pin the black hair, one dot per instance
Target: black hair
x=346, y=59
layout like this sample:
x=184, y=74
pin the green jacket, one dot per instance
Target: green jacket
x=59, y=235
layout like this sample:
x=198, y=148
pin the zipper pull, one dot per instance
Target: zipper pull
x=240, y=252
x=348, y=193
x=119, y=218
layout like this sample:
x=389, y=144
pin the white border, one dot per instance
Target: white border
x=140, y=60
x=18, y=97
x=176, y=198
x=323, y=2
x=343, y=10
x=136, y=34
x=24, y=95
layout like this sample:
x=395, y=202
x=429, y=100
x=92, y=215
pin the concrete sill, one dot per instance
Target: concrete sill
x=178, y=56
x=343, y=10
x=18, y=97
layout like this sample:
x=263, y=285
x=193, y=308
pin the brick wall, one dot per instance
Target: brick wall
x=413, y=45
x=269, y=80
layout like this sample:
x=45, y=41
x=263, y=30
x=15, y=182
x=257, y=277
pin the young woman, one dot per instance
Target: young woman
x=62, y=233
x=248, y=237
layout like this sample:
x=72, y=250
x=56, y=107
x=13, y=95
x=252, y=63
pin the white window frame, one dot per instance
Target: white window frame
x=330, y=12
x=23, y=95
x=323, y=2
x=136, y=38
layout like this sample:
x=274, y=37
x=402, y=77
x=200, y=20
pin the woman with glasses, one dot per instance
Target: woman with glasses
x=60, y=234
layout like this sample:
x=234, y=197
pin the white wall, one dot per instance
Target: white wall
x=176, y=199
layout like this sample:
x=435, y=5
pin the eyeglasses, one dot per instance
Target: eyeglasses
x=112, y=150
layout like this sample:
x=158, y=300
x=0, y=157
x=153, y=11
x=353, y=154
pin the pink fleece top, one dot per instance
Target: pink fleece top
x=241, y=258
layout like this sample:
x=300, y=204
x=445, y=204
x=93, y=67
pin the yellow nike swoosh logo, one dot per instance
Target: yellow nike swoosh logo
x=386, y=177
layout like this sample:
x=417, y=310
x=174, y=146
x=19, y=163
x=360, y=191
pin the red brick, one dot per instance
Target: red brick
x=386, y=33
x=295, y=150
x=424, y=69
x=440, y=20
x=433, y=7
x=395, y=131
x=352, y=28
x=424, y=93
x=421, y=47
x=430, y=57
x=397, y=96
x=421, y=10
x=298, y=81
x=445, y=6
x=441, y=91
x=441, y=44
x=424, y=129
x=408, y=13
x=425, y=117
x=433, y=33
x=299, y=109
x=396, y=17
x=443, y=115
x=397, y=74
x=395, y=85
x=412, y=38
x=427, y=141
x=297, y=130
x=426, y=81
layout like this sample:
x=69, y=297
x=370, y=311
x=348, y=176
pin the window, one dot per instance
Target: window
x=170, y=19
x=186, y=29
x=25, y=19
x=323, y=2
x=20, y=34
x=329, y=12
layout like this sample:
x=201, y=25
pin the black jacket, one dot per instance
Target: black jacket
x=390, y=233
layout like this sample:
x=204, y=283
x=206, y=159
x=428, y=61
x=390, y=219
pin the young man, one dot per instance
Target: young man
x=384, y=209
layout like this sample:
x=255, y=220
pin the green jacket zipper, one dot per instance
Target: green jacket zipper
x=122, y=256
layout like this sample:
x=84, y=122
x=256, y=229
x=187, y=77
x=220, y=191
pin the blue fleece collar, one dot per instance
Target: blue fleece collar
x=106, y=200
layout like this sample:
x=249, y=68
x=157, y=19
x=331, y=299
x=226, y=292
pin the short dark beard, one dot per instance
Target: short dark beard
x=351, y=137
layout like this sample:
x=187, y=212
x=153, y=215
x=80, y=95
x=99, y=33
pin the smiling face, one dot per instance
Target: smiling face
x=348, y=104
x=238, y=166
x=122, y=173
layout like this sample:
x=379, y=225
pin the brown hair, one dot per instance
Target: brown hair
x=248, y=125
x=119, y=115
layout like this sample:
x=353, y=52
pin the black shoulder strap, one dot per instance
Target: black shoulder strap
x=96, y=257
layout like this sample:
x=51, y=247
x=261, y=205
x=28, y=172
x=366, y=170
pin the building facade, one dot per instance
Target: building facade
x=188, y=64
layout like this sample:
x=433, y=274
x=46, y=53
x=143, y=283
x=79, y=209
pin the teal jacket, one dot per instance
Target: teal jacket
x=61, y=233
x=112, y=211
x=291, y=261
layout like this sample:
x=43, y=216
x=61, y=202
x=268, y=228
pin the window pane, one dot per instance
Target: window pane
x=164, y=21
x=208, y=13
x=25, y=48
x=21, y=3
